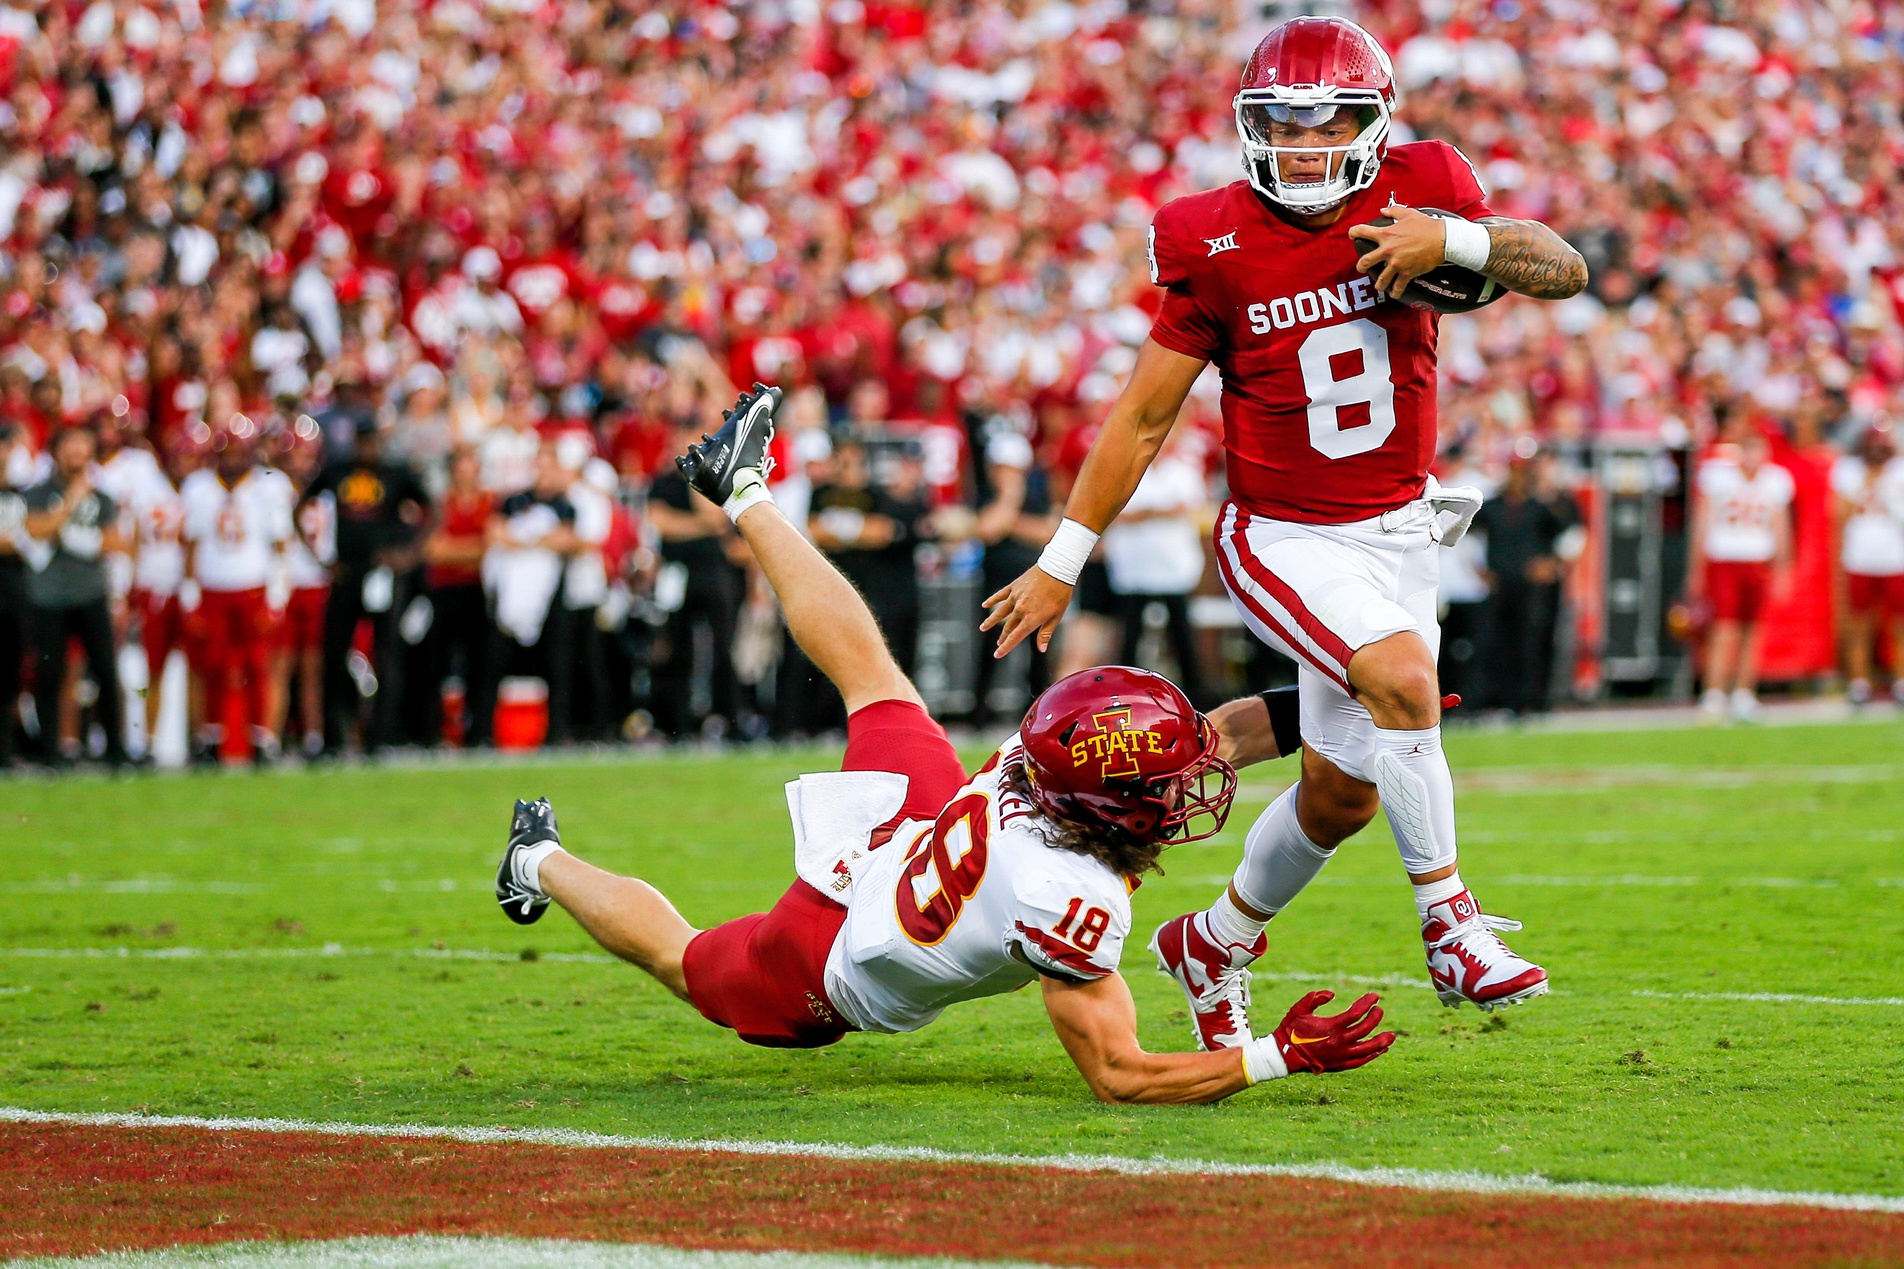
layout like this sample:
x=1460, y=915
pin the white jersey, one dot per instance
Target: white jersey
x=972, y=904
x=1742, y=513
x=235, y=533
x=151, y=516
x=1874, y=532
x=317, y=525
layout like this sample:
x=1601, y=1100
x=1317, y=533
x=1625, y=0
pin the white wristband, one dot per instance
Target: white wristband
x=1066, y=553
x=1468, y=244
x=1263, y=1060
x=750, y=490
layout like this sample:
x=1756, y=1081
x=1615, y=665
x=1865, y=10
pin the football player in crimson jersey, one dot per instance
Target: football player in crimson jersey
x=920, y=888
x=1327, y=545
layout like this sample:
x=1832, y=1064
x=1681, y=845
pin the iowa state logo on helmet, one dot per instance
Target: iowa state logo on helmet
x=1116, y=745
x=1122, y=748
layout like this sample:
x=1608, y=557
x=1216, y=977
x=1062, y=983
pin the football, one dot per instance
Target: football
x=1449, y=289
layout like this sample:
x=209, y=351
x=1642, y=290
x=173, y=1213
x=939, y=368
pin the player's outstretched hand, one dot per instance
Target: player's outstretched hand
x=1033, y=603
x=1415, y=244
x=1314, y=1043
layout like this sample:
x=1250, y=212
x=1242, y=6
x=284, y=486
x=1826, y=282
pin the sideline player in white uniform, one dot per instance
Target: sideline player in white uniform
x=237, y=523
x=158, y=566
x=1328, y=544
x=1741, y=557
x=310, y=556
x=1869, y=491
x=920, y=888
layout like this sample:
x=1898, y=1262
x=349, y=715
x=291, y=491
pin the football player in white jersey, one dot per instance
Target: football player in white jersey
x=157, y=569
x=919, y=888
x=1868, y=492
x=238, y=524
x=1741, y=560
x=310, y=554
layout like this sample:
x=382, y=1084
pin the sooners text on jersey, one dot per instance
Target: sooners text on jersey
x=1328, y=389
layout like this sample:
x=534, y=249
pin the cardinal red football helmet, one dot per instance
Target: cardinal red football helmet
x=1306, y=72
x=1122, y=748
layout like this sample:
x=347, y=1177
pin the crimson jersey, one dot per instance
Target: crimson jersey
x=1328, y=389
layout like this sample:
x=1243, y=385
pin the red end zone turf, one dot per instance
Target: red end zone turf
x=72, y=1189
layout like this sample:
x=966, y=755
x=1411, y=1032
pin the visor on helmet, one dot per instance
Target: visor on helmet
x=1257, y=116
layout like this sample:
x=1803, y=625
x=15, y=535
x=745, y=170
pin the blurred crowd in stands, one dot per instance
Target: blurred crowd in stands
x=345, y=345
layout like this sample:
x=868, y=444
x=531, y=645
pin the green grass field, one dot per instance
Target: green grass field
x=1658, y=874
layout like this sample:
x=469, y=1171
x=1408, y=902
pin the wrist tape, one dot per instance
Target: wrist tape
x=1064, y=556
x=1468, y=244
x=1263, y=1060
x=750, y=490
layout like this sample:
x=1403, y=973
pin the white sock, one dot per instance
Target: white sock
x=529, y=865
x=1230, y=924
x=1428, y=894
x=750, y=490
x=1278, y=859
x=1417, y=791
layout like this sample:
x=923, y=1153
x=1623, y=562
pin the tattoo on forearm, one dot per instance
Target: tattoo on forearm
x=1530, y=258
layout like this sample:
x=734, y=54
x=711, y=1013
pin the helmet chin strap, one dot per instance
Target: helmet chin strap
x=1281, y=188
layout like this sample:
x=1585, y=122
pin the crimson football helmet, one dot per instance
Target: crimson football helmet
x=1306, y=72
x=1123, y=749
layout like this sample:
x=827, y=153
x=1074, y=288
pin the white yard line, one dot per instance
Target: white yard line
x=1396, y=881
x=422, y=1251
x=1773, y=997
x=1543, y=781
x=1402, y=1178
x=293, y=953
x=1364, y=980
x=335, y=951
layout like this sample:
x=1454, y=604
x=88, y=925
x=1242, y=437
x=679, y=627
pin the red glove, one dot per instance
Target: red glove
x=1311, y=1042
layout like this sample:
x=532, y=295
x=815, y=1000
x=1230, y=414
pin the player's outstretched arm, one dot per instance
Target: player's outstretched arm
x=1133, y=433
x=1097, y=1024
x=1528, y=257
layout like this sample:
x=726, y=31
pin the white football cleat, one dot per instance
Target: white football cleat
x=1745, y=705
x=1214, y=977
x=1468, y=962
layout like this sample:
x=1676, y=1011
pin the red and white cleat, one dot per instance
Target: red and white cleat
x=1468, y=962
x=1213, y=975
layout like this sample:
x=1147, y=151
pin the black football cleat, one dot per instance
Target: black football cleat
x=533, y=825
x=739, y=446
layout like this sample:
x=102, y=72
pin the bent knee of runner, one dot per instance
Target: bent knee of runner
x=1395, y=679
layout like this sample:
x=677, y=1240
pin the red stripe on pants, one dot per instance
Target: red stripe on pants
x=1263, y=615
x=1331, y=643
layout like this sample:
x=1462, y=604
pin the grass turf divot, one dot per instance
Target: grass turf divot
x=77, y=1188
